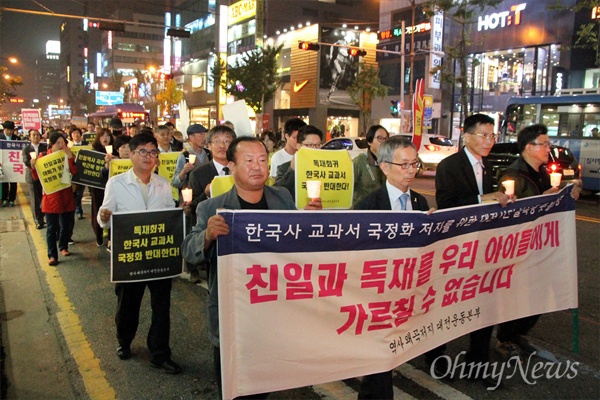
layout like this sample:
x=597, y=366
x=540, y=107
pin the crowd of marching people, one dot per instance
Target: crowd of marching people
x=382, y=181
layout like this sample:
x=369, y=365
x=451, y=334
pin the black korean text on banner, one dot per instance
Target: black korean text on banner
x=145, y=245
x=89, y=169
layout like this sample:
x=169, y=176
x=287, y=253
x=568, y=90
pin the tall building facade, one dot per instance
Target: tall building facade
x=226, y=29
x=518, y=48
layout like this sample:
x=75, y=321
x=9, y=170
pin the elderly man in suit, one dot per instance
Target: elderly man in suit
x=461, y=179
x=398, y=160
x=218, y=139
x=248, y=162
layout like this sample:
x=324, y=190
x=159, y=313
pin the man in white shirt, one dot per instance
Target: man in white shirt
x=141, y=189
x=290, y=133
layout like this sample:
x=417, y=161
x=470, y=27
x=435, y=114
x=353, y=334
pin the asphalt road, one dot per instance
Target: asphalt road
x=78, y=295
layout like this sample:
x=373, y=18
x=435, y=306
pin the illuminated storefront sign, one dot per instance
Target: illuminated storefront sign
x=397, y=32
x=242, y=10
x=501, y=19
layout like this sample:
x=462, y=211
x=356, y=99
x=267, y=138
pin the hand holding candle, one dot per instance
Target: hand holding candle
x=555, y=179
x=33, y=155
x=509, y=187
x=187, y=195
x=313, y=189
x=109, y=149
x=192, y=158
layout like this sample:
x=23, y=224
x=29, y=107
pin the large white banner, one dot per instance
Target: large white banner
x=313, y=297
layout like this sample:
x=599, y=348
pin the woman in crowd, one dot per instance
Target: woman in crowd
x=269, y=139
x=103, y=138
x=59, y=207
x=367, y=174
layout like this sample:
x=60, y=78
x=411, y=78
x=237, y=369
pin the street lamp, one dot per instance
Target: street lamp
x=12, y=60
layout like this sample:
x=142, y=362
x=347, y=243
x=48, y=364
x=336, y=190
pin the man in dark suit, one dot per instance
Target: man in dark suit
x=464, y=178
x=399, y=162
x=218, y=140
x=35, y=187
x=9, y=189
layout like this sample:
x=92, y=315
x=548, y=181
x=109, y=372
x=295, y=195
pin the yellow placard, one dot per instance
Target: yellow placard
x=333, y=168
x=221, y=184
x=166, y=169
x=76, y=149
x=50, y=170
x=118, y=166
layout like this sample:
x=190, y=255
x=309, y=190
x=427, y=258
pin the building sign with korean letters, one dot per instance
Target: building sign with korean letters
x=381, y=287
x=146, y=245
x=435, y=59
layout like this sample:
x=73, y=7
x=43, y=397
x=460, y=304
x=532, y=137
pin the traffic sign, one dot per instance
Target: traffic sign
x=104, y=98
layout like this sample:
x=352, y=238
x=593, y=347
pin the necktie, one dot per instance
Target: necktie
x=225, y=171
x=403, y=200
x=479, y=176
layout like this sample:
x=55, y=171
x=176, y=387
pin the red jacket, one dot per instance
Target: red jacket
x=58, y=202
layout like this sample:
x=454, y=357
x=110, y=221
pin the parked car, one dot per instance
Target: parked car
x=354, y=145
x=433, y=149
x=561, y=160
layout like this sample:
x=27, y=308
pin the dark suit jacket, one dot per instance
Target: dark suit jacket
x=455, y=182
x=176, y=144
x=286, y=178
x=13, y=137
x=199, y=178
x=380, y=200
x=42, y=148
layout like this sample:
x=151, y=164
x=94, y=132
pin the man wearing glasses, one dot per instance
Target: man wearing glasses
x=218, y=138
x=136, y=190
x=465, y=178
x=308, y=136
x=531, y=179
x=399, y=163
x=367, y=174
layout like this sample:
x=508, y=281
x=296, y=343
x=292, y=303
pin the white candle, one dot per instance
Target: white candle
x=192, y=158
x=108, y=149
x=33, y=155
x=555, y=179
x=187, y=195
x=314, y=189
x=509, y=187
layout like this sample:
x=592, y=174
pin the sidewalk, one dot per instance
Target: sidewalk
x=33, y=363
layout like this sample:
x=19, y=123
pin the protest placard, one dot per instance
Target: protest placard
x=118, y=166
x=333, y=168
x=146, y=245
x=89, y=169
x=166, y=169
x=344, y=297
x=50, y=171
x=11, y=160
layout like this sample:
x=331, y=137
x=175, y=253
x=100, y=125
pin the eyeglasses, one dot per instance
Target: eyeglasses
x=406, y=165
x=312, y=145
x=221, y=142
x=487, y=136
x=145, y=153
x=543, y=144
x=381, y=138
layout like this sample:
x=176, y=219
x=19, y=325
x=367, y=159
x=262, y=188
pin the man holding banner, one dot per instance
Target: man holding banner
x=136, y=190
x=248, y=162
x=398, y=160
x=464, y=178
